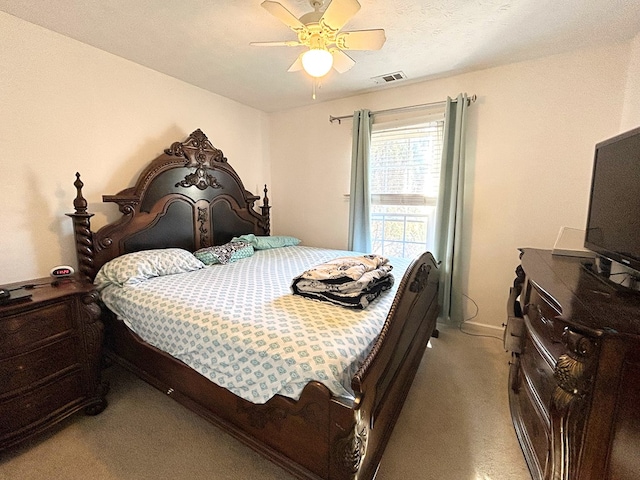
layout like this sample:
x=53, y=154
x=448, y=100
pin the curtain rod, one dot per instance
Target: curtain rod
x=470, y=100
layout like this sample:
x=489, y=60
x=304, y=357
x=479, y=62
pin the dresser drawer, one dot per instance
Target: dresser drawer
x=35, y=406
x=19, y=332
x=23, y=370
x=546, y=327
x=538, y=375
x=536, y=429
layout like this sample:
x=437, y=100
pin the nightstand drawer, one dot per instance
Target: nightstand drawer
x=37, y=405
x=23, y=370
x=18, y=332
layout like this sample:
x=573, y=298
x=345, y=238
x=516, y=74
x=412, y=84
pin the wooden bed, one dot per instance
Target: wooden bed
x=190, y=197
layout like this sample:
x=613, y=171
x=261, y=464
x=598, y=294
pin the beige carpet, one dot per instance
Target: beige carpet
x=455, y=425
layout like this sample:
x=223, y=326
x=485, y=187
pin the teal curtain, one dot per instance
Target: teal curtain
x=359, y=197
x=450, y=209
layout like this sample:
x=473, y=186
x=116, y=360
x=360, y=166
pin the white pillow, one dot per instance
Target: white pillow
x=137, y=267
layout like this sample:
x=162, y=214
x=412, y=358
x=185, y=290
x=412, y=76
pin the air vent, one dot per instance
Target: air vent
x=389, y=77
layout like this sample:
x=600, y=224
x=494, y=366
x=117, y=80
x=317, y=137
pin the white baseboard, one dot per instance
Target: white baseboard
x=482, y=329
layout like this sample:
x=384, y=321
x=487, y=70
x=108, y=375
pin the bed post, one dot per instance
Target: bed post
x=82, y=233
x=265, y=212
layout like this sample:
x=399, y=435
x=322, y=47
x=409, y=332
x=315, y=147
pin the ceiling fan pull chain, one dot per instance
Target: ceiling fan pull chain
x=315, y=86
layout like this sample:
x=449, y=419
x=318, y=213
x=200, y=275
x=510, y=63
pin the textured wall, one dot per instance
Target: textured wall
x=69, y=107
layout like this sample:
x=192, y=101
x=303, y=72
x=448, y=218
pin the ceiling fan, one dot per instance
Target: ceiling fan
x=320, y=32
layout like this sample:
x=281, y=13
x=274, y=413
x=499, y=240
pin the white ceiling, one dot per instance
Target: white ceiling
x=206, y=42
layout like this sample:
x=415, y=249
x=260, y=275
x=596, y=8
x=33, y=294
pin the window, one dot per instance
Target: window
x=404, y=184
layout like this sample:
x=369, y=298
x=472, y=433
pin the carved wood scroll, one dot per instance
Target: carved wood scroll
x=93, y=334
x=352, y=448
x=571, y=371
x=420, y=281
x=261, y=416
x=200, y=154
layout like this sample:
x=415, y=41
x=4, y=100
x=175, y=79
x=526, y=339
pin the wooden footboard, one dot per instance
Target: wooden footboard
x=292, y=434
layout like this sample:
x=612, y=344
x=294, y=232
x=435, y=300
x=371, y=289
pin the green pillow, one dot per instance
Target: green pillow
x=227, y=253
x=264, y=242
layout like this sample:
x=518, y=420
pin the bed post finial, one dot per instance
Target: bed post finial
x=80, y=203
x=82, y=232
x=265, y=211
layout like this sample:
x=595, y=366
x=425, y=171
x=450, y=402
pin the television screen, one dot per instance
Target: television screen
x=613, y=222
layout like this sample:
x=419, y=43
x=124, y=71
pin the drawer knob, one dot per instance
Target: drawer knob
x=577, y=343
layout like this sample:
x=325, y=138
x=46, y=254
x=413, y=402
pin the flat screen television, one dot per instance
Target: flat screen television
x=613, y=221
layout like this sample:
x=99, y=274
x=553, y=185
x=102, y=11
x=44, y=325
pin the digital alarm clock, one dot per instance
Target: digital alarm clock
x=62, y=271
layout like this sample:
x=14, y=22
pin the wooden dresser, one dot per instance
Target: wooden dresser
x=50, y=348
x=574, y=385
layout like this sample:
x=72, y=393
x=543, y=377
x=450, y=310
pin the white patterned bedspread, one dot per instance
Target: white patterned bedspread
x=240, y=326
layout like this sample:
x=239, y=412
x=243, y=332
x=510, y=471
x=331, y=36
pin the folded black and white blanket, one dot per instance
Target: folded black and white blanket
x=352, y=282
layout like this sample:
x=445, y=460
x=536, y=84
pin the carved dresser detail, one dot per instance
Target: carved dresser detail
x=574, y=382
x=50, y=353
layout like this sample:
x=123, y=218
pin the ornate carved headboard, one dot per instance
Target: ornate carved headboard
x=188, y=197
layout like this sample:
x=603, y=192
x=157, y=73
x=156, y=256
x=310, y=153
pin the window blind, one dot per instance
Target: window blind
x=404, y=180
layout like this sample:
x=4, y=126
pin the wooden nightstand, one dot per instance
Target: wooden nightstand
x=50, y=352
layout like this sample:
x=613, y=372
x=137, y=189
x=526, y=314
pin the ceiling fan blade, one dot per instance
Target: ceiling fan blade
x=285, y=16
x=361, y=40
x=338, y=13
x=297, y=65
x=341, y=61
x=286, y=43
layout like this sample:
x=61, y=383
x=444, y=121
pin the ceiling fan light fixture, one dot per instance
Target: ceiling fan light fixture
x=321, y=32
x=317, y=62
